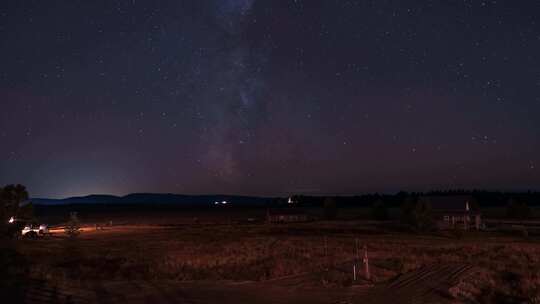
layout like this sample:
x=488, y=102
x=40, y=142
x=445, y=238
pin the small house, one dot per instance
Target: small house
x=286, y=215
x=455, y=211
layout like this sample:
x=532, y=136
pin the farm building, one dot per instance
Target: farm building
x=455, y=211
x=286, y=215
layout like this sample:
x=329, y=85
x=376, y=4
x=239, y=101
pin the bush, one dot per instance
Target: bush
x=379, y=212
x=417, y=214
x=407, y=212
x=330, y=208
x=458, y=233
x=73, y=227
x=517, y=210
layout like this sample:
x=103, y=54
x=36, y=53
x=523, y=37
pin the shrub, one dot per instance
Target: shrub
x=73, y=227
x=330, y=208
x=417, y=214
x=379, y=211
x=517, y=210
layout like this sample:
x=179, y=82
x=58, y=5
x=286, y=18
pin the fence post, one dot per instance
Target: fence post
x=326, y=253
x=356, y=258
x=366, y=263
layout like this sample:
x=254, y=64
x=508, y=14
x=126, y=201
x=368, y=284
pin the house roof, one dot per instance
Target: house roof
x=451, y=203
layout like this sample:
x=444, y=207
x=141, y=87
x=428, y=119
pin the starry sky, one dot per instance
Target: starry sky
x=269, y=97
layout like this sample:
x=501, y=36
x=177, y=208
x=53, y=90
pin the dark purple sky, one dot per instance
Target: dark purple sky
x=269, y=97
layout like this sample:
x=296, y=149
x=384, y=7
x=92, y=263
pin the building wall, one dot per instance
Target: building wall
x=466, y=222
x=287, y=218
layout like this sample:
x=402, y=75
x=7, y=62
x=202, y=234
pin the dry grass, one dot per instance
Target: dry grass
x=507, y=267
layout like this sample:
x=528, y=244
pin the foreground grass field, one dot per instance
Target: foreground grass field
x=301, y=259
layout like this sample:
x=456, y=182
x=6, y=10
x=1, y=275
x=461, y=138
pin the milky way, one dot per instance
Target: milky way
x=269, y=97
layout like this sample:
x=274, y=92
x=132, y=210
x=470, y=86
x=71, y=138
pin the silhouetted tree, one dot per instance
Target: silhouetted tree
x=407, y=208
x=417, y=213
x=379, y=211
x=11, y=197
x=26, y=211
x=330, y=208
x=13, y=265
x=423, y=217
x=517, y=209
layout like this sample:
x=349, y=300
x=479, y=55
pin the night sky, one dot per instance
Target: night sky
x=269, y=97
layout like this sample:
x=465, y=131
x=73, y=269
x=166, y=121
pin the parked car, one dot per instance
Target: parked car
x=34, y=231
x=26, y=227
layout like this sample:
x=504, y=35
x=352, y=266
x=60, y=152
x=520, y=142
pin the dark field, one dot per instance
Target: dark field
x=219, y=256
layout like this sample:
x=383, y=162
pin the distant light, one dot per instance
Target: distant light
x=11, y=220
x=290, y=201
x=216, y=203
x=224, y=202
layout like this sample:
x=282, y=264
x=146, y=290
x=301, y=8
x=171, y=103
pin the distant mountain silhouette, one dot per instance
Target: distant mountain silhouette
x=155, y=198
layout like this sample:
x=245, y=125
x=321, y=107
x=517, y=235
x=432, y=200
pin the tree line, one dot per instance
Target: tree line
x=415, y=212
x=483, y=197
